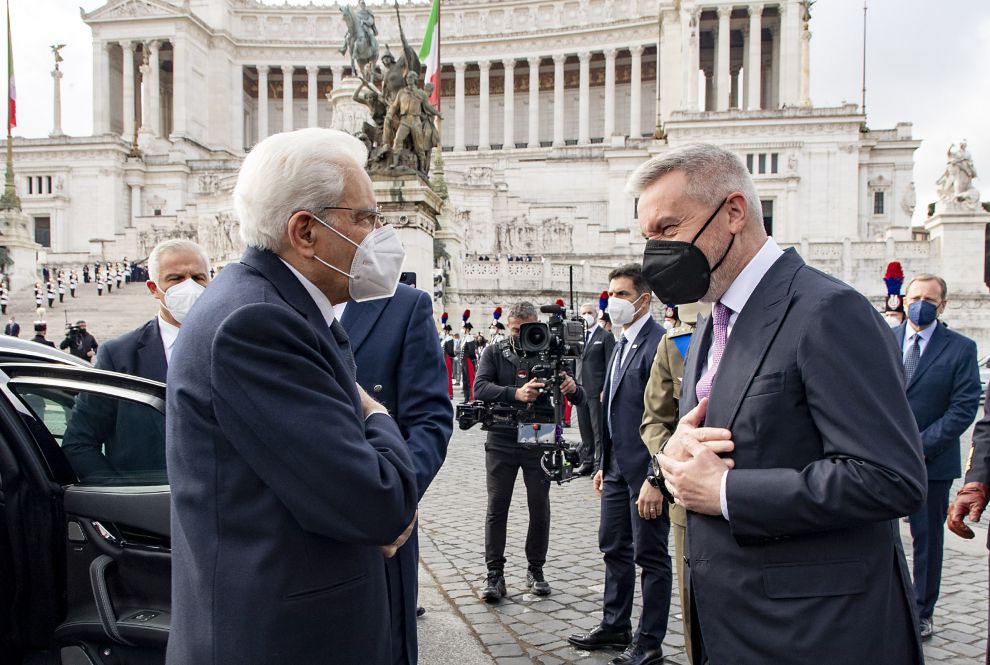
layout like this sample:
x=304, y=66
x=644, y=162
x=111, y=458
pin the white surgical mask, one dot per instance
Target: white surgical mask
x=377, y=264
x=589, y=320
x=622, y=311
x=892, y=321
x=179, y=298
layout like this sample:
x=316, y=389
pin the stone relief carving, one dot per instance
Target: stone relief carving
x=909, y=200
x=520, y=236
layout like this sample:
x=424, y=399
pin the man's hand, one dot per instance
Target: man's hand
x=596, y=482
x=650, y=501
x=530, y=391
x=568, y=385
x=971, y=500
x=369, y=405
x=696, y=483
x=390, y=550
x=690, y=429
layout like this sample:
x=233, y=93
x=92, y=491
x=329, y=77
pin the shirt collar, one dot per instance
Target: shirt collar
x=739, y=292
x=592, y=329
x=925, y=335
x=632, y=330
x=320, y=298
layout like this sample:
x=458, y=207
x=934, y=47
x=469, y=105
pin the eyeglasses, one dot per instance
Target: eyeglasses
x=368, y=218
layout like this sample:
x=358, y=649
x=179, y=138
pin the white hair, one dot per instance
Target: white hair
x=289, y=172
x=172, y=246
x=712, y=174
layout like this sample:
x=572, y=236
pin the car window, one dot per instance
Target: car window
x=108, y=440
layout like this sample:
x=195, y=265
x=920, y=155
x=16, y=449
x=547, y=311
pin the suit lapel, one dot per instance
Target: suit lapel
x=359, y=318
x=753, y=332
x=151, y=352
x=636, y=349
x=936, y=345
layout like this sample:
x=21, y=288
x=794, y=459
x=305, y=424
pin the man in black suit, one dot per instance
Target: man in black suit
x=598, y=345
x=797, y=452
x=40, y=329
x=105, y=439
x=13, y=328
x=289, y=482
x=626, y=538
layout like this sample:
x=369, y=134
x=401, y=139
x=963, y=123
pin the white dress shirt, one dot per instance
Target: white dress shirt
x=320, y=298
x=168, y=333
x=924, y=336
x=630, y=332
x=338, y=310
x=735, y=298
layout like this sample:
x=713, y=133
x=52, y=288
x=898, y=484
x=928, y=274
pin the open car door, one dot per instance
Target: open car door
x=85, y=502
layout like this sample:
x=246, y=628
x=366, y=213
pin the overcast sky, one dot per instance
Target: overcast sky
x=927, y=63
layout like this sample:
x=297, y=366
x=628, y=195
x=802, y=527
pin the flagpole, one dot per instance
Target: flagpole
x=9, y=198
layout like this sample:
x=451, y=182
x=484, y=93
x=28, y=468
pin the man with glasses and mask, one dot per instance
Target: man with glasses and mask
x=504, y=457
x=626, y=536
x=289, y=482
x=796, y=452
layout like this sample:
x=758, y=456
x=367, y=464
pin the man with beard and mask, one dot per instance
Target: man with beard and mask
x=289, y=483
x=598, y=345
x=942, y=380
x=504, y=457
x=797, y=450
x=106, y=439
x=626, y=536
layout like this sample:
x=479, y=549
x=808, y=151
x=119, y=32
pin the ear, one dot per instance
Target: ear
x=152, y=288
x=736, y=206
x=941, y=308
x=301, y=232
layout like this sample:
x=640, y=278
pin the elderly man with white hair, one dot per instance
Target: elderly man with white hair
x=289, y=482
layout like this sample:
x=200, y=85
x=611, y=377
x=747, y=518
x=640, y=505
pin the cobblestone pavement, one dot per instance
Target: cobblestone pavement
x=524, y=628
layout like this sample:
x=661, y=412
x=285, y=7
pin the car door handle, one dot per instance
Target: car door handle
x=101, y=594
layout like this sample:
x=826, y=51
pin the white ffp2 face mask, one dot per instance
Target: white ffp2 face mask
x=623, y=311
x=376, y=266
x=179, y=298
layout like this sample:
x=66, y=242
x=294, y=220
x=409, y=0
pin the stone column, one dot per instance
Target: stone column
x=287, y=97
x=534, y=102
x=609, y=93
x=584, y=100
x=127, y=49
x=237, y=106
x=776, y=67
x=459, y=68
x=636, y=93
x=56, y=103
x=709, y=90
x=789, y=61
x=754, y=64
x=154, y=89
x=509, y=98
x=558, y=99
x=262, y=102
x=484, y=89
x=734, y=89
x=695, y=62
x=805, y=89
x=311, y=109
x=722, y=83
x=143, y=95
x=180, y=85
x=101, y=87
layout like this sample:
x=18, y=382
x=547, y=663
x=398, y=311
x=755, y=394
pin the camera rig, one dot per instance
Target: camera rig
x=545, y=350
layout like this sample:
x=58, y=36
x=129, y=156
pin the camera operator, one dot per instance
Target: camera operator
x=504, y=456
x=80, y=343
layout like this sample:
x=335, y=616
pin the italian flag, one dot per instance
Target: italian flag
x=429, y=53
x=11, y=88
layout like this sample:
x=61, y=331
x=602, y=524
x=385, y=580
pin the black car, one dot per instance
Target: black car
x=85, y=563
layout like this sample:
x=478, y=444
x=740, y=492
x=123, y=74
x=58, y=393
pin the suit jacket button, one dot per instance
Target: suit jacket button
x=378, y=388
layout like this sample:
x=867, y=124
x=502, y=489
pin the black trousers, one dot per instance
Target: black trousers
x=928, y=535
x=590, y=423
x=502, y=464
x=627, y=540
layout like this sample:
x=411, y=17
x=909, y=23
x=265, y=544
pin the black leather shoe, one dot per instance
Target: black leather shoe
x=637, y=655
x=537, y=583
x=601, y=638
x=494, y=587
x=927, y=628
x=584, y=469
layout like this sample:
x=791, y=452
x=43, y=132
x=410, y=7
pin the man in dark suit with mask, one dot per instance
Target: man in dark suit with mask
x=399, y=363
x=794, y=468
x=943, y=388
x=598, y=345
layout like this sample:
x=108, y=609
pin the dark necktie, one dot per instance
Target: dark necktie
x=344, y=342
x=912, y=358
x=614, y=383
x=720, y=325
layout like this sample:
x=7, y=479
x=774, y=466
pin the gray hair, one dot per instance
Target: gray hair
x=172, y=246
x=523, y=310
x=712, y=174
x=288, y=172
x=592, y=305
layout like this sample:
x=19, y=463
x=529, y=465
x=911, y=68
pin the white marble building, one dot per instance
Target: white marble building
x=548, y=105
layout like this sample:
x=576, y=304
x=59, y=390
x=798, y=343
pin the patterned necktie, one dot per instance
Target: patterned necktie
x=344, y=342
x=912, y=358
x=614, y=383
x=720, y=325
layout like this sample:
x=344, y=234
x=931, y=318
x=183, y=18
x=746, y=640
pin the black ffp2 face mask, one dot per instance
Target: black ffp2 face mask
x=677, y=271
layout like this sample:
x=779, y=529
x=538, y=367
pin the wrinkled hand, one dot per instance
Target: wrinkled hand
x=971, y=500
x=568, y=385
x=650, y=501
x=530, y=391
x=689, y=429
x=596, y=482
x=368, y=404
x=390, y=550
x=691, y=465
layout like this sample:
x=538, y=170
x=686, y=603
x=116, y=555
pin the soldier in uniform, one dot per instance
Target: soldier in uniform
x=660, y=416
x=408, y=110
x=893, y=306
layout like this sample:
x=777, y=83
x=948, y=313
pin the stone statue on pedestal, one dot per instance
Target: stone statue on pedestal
x=955, y=186
x=361, y=40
